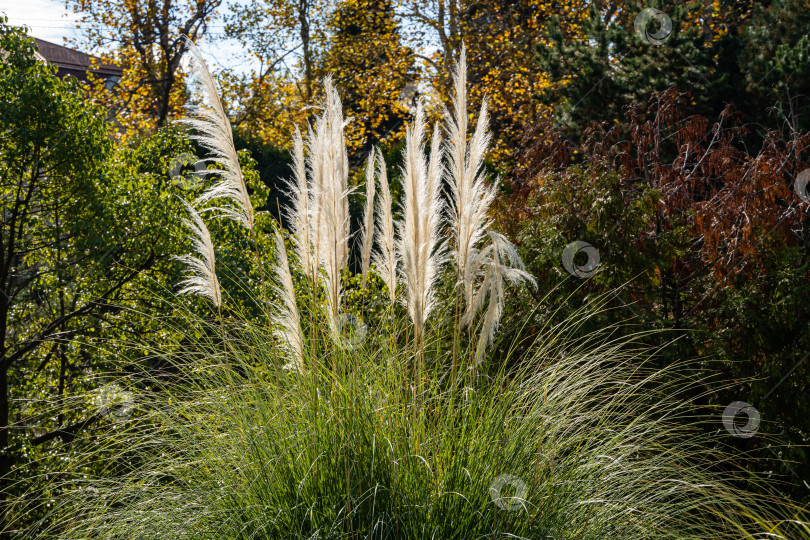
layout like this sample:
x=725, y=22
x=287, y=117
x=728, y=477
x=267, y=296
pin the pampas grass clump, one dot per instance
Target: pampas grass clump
x=589, y=444
x=573, y=440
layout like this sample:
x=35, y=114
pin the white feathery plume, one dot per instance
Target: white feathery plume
x=285, y=318
x=367, y=234
x=491, y=260
x=470, y=196
x=331, y=196
x=201, y=277
x=385, y=260
x=435, y=173
x=342, y=163
x=419, y=248
x=470, y=200
x=213, y=132
x=298, y=216
x=316, y=143
x=434, y=252
x=435, y=170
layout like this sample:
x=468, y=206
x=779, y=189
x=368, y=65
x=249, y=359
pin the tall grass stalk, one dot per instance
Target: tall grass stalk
x=419, y=248
x=285, y=316
x=470, y=195
x=385, y=260
x=367, y=232
x=331, y=185
x=201, y=278
x=299, y=213
x=418, y=231
x=211, y=128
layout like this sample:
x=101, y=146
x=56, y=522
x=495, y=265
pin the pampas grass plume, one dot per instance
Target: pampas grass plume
x=212, y=130
x=201, y=275
x=286, y=319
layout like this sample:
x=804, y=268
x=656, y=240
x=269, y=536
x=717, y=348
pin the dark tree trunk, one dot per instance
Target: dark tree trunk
x=303, y=19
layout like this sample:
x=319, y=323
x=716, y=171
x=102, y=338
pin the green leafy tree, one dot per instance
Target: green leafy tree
x=51, y=156
x=87, y=239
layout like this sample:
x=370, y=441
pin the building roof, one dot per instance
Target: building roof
x=73, y=62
